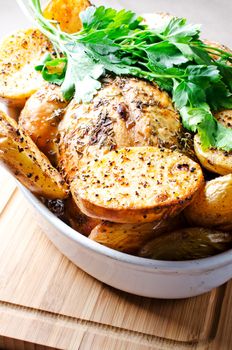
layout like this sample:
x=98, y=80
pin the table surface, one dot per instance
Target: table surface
x=46, y=300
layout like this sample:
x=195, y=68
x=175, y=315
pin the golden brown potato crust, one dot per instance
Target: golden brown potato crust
x=22, y=157
x=136, y=184
x=19, y=54
x=66, y=12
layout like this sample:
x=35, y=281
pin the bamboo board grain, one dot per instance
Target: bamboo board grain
x=46, y=300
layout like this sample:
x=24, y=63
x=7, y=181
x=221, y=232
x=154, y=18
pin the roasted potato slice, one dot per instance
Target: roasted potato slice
x=187, y=244
x=136, y=184
x=19, y=54
x=22, y=157
x=129, y=238
x=40, y=118
x=66, y=12
x=212, y=206
x=217, y=161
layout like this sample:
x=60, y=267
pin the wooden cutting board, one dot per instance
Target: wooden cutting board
x=46, y=300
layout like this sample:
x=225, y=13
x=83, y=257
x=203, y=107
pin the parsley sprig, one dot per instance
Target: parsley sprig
x=198, y=76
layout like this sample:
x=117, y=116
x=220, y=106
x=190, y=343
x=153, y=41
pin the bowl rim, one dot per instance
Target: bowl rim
x=187, y=266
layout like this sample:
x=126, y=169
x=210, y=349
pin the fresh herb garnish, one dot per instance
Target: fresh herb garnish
x=172, y=56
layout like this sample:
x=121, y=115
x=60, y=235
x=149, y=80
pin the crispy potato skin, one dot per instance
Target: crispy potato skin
x=41, y=116
x=19, y=54
x=77, y=220
x=136, y=184
x=22, y=157
x=128, y=238
x=212, y=206
x=66, y=12
x=186, y=244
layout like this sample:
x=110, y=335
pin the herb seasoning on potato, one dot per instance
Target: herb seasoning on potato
x=119, y=123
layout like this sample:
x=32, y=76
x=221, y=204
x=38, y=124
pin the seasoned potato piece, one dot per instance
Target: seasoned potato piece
x=187, y=244
x=19, y=54
x=137, y=184
x=77, y=220
x=214, y=160
x=217, y=161
x=212, y=206
x=40, y=118
x=22, y=157
x=66, y=12
x=126, y=112
x=129, y=238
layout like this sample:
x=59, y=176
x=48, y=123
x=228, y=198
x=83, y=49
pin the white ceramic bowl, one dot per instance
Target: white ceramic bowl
x=150, y=278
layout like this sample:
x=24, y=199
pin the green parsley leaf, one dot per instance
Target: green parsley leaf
x=186, y=93
x=178, y=30
x=166, y=54
x=172, y=56
x=223, y=138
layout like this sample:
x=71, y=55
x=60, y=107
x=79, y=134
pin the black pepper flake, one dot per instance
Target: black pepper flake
x=20, y=149
x=137, y=193
x=29, y=175
x=183, y=166
x=122, y=110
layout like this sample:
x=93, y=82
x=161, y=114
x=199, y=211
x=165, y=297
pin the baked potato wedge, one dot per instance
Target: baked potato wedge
x=212, y=206
x=187, y=244
x=31, y=167
x=214, y=160
x=136, y=184
x=40, y=118
x=128, y=238
x=66, y=13
x=19, y=54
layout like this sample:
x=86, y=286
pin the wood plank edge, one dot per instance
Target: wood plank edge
x=18, y=315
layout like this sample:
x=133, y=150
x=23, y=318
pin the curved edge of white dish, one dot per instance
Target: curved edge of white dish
x=205, y=264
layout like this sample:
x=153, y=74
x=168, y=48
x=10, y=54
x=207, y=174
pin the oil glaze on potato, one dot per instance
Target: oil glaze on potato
x=19, y=54
x=136, y=184
x=212, y=206
x=31, y=167
x=129, y=238
x=40, y=118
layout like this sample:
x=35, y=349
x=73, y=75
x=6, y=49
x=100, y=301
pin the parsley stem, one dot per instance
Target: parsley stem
x=213, y=49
